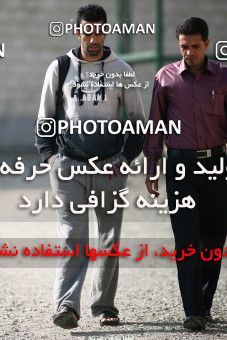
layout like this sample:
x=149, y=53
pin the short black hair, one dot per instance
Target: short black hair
x=91, y=13
x=192, y=26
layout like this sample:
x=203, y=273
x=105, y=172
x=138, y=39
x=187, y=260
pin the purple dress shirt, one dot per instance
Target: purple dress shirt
x=199, y=102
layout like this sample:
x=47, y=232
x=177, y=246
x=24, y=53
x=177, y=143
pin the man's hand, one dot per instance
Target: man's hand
x=152, y=186
x=49, y=160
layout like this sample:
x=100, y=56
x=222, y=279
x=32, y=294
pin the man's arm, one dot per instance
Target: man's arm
x=47, y=146
x=133, y=105
x=153, y=145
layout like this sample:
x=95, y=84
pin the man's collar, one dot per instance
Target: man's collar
x=207, y=63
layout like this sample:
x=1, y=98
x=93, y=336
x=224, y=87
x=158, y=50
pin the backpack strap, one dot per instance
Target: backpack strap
x=63, y=67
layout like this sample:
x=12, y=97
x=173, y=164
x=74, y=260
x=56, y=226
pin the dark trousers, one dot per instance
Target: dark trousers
x=203, y=227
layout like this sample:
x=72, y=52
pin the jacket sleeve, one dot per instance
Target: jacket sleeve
x=133, y=107
x=153, y=145
x=45, y=129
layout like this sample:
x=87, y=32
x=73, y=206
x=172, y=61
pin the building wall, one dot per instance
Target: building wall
x=29, y=49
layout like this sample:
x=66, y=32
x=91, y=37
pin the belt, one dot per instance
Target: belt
x=84, y=159
x=216, y=151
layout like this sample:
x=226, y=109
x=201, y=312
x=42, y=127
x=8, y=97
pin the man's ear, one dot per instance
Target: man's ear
x=77, y=34
x=207, y=43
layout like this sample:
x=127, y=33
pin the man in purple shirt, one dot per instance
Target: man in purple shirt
x=194, y=91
